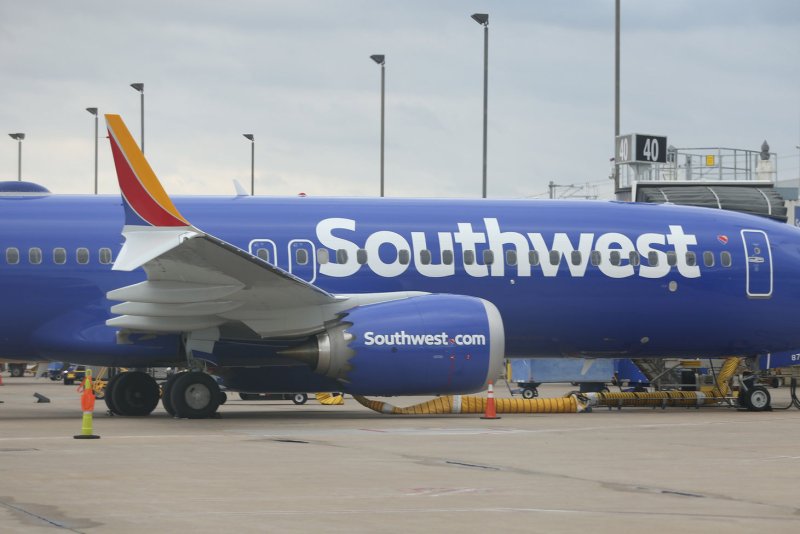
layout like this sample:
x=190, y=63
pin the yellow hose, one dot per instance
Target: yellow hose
x=329, y=399
x=573, y=403
x=669, y=398
x=475, y=405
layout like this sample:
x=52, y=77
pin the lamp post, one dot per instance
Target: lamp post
x=140, y=87
x=18, y=137
x=483, y=20
x=93, y=111
x=252, y=139
x=380, y=59
x=616, y=94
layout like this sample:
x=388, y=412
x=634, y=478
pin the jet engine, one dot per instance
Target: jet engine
x=431, y=344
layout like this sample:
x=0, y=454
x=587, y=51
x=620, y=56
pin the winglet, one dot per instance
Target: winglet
x=146, y=203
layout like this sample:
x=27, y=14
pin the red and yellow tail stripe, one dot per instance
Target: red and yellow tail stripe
x=146, y=202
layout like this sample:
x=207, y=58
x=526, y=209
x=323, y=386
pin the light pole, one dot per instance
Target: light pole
x=380, y=59
x=252, y=139
x=140, y=87
x=616, y=95
x=18, y=137
x=93, y=111
x=483, y=20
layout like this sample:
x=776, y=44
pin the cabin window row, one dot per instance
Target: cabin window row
x=60, y=256
x=554, y=258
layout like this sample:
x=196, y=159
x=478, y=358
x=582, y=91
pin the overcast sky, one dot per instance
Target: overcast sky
x=298, y=76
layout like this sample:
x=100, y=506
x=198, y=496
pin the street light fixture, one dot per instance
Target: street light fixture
x=140, y=87
x=380, y=59
x=18, y=137
x=252, y=139
x=483, y=20
x=93, y=111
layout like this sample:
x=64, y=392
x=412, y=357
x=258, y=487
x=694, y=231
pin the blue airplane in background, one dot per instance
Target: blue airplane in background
x=374, y=296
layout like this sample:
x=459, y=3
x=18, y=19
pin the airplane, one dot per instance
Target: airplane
x=374, y=296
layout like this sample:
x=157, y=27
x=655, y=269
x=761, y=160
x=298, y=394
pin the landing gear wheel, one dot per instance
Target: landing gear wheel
x=757, y=399
x=299, y=398
x=528, y=393
x=195, y=395
x=135, y=394
x=166, y=394
x=223, y=398
x=17, y=371
x=109, y=398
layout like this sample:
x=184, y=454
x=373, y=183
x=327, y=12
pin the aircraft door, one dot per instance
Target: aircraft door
x=302, y=259
x=759, y=264
x=264, y=249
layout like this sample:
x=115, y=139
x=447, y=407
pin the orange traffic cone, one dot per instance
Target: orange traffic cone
x=87, y=405
x=491, y=411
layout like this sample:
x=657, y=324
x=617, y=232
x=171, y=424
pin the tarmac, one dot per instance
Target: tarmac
x=276, y=467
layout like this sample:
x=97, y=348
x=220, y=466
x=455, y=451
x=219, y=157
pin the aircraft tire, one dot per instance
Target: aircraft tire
x=758, y=399
x=135, y=394
x=299, y=398
x=195, y=395
x=166, y=395
x=223, y=398
x=109, y=398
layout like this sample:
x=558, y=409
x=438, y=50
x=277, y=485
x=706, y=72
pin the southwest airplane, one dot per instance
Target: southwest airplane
x=374, y=296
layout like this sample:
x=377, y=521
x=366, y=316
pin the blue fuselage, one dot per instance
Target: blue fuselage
x=574, y=278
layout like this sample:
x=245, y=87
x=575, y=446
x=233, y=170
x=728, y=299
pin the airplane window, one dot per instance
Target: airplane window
x=555, y=257
x=615, y=257
x=301, y=256
x=35, y=255
x=404, y=256
x=652, y=258
x=708, y=258
x=691, y=259
x=488, y=257
x=533, y=258
x=59, y=256
x=323, y=256
x=425, y=257
x=12, y=255
x=82, y=254
x=511, y=257
x=447, y=257
x=633, y=257
x=575, y=257
x=105, y=255
x=469, y=257
x=596, y=257
x=263, y=254
x=672, y=258
x=341, y=256
x=725, y=258
x=361, y=256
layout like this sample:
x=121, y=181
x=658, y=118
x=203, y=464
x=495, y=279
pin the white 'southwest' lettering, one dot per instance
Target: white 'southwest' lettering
x=615, y=249
x=435, y=340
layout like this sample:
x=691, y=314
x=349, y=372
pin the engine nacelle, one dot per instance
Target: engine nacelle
x=432, y=344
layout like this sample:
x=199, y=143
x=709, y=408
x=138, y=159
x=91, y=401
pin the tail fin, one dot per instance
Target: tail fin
x=146, y=203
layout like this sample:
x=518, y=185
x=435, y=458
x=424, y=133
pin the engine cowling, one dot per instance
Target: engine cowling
x=431, y=344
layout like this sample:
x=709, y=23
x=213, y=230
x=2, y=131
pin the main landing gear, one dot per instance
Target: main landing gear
x=190, y=395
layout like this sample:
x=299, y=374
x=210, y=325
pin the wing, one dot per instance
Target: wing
x=196, y=281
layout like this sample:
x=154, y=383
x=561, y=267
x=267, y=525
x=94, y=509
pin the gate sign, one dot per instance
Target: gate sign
x=641, y=148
